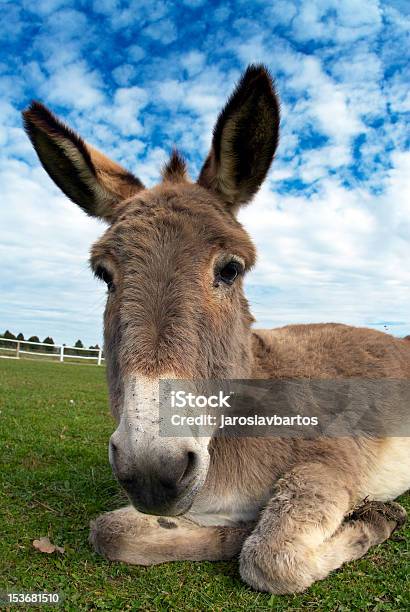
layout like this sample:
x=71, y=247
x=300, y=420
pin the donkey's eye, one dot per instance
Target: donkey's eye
x=229, y=272
x=103, y=274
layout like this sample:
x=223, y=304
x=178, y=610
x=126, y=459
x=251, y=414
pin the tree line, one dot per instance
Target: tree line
x=47, y=349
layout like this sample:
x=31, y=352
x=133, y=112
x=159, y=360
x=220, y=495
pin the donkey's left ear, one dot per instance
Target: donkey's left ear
x=85, y=175
x=244, y=141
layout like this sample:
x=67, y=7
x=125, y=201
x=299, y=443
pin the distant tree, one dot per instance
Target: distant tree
x=20, y=336
x=48, y=349
x=92, y=352
x=34, y=347
x=79, y=345
x=9, y=336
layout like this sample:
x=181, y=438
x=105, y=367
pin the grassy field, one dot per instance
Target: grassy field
x=55, y=477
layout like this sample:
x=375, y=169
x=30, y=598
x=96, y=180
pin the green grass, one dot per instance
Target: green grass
x=55, y=477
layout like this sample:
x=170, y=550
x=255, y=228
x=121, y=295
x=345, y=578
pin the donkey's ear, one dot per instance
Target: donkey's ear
x=86, y=176
x=244, y=140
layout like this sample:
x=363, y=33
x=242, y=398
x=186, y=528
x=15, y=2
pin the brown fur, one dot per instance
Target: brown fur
x=175, y=171
x=330, y=350
x=284, y=504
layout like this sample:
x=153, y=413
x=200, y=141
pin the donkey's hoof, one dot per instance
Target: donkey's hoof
x=93, y=537
x=394, y=512
x=101, y=536
x=372, y=510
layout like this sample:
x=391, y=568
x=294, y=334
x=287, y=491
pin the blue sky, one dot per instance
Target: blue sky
x=332, y=222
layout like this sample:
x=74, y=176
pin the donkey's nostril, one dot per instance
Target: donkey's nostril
x=113, y=447
x=191, y=462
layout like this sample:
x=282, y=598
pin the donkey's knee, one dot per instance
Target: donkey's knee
x=276, y=571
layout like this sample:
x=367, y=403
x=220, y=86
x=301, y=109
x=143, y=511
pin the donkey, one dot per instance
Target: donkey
x=173, y=258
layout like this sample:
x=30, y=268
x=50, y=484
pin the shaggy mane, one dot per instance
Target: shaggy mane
x=175, y=170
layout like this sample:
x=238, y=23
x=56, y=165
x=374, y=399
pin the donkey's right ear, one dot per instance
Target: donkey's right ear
x=85, y=175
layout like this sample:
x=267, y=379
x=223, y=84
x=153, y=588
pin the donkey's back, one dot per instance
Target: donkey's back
x=330, y=350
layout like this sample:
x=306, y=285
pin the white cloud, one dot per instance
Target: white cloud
x=327, y=101
x=398, y=96
x=148, y=169
x=44, y=7
x=330, y=20
x=126, y=107
x=163, y=31
x=135, y=53
x=193, y=62
x=221, y=13
x=193, y=3
x=74, y=86
x=338, y=256
x=124, y=74
x=202, y=96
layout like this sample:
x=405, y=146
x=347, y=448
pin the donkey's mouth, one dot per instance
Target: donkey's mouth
x=160, y=501
x=160, y=476
x=165, y=510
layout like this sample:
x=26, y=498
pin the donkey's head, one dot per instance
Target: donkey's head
x=173, y=258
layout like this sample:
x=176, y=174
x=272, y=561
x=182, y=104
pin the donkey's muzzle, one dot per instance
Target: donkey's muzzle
x=162, y=484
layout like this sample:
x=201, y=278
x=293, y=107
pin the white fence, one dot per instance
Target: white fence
x=57, y=352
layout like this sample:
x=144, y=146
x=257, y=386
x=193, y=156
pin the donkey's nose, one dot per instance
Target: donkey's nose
x=154, y=485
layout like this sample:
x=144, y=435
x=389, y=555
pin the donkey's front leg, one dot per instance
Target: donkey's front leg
x=301, y=535
x=130, y=536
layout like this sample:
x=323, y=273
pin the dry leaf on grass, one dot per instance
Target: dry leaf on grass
x=45, y=546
